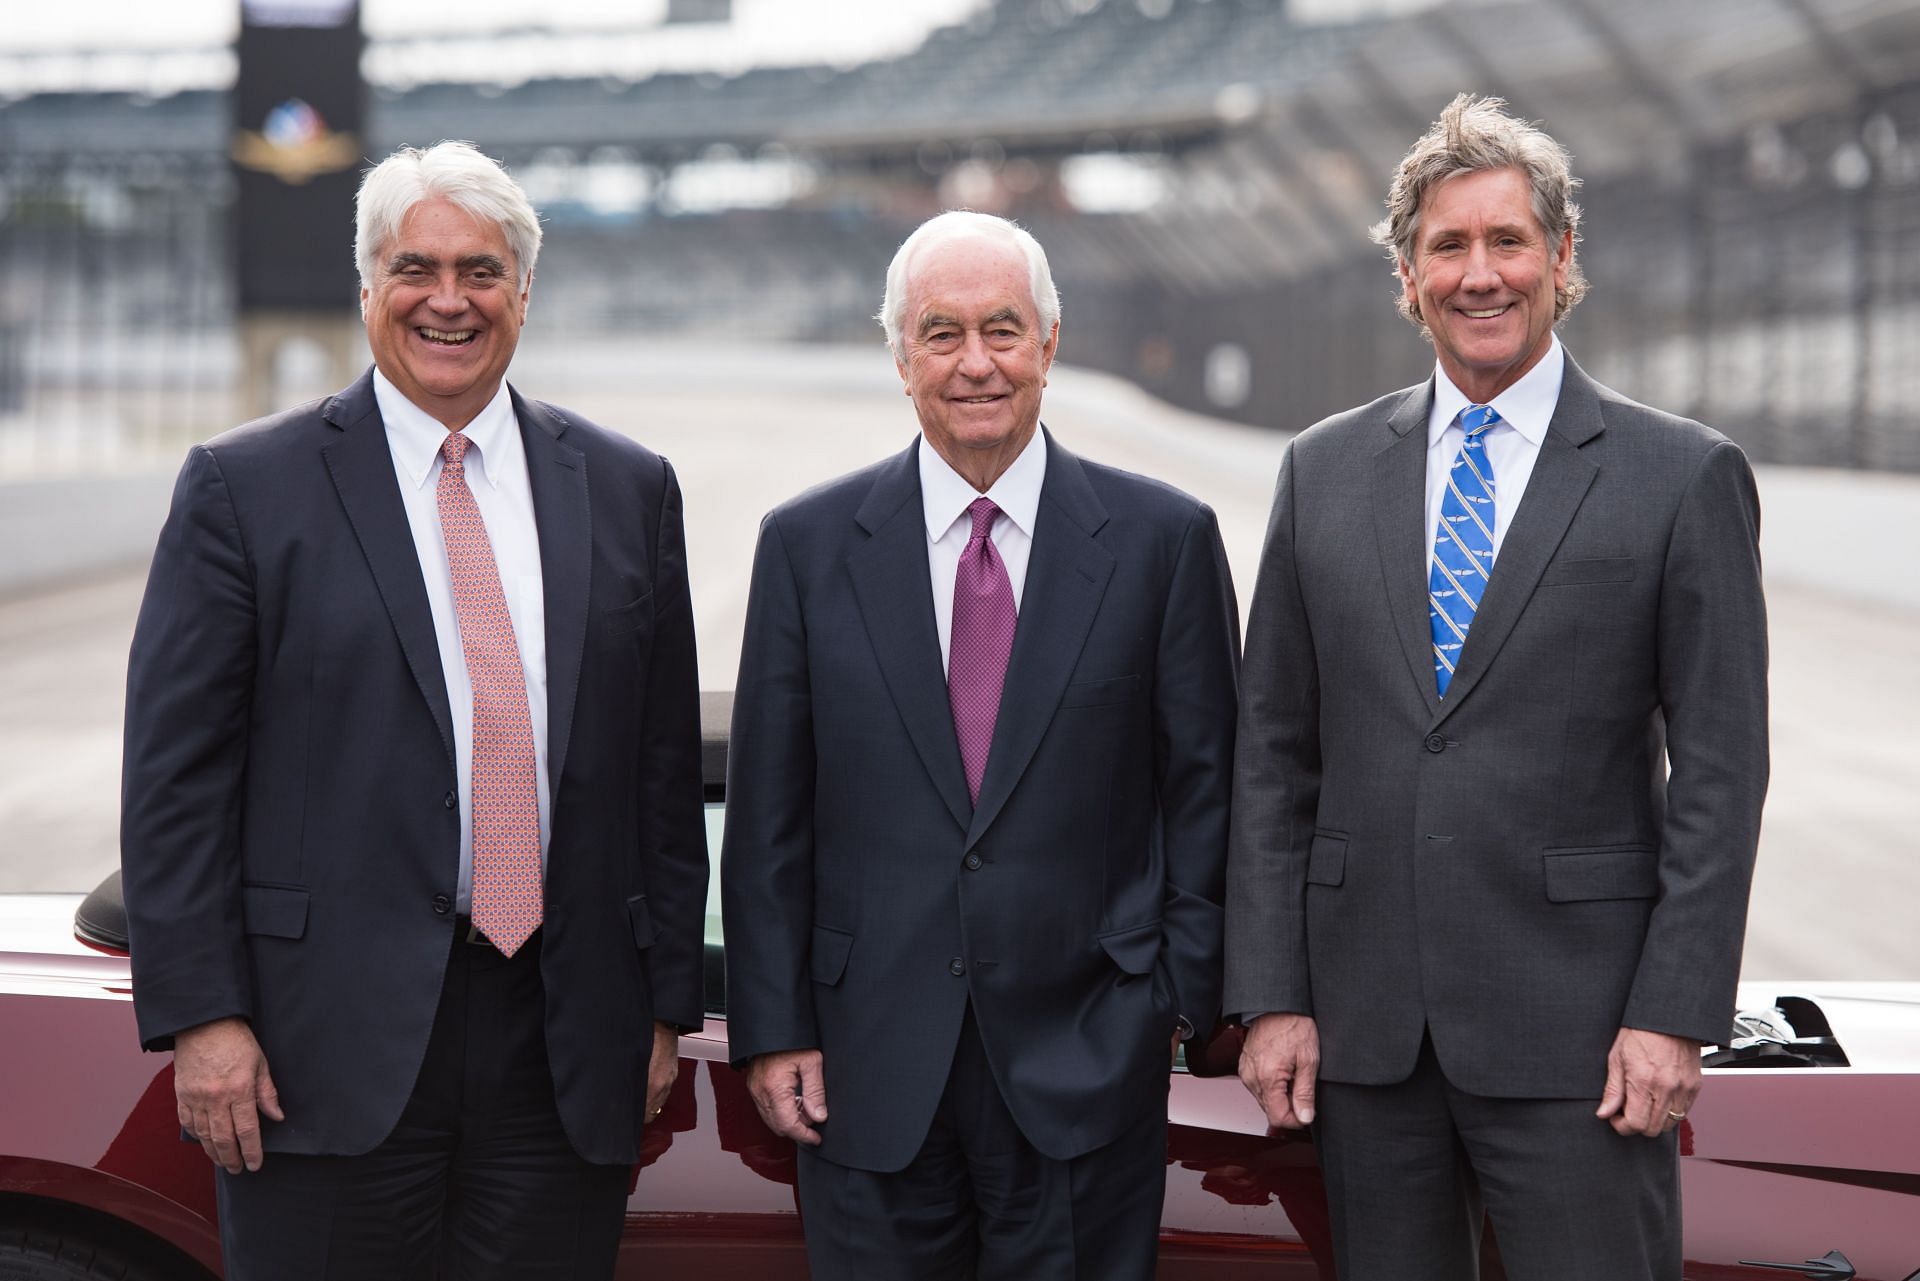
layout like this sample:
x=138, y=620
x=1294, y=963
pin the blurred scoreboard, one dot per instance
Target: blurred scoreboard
x=300, y=107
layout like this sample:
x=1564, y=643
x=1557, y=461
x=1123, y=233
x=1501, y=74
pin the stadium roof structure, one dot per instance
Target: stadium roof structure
x=1628, y=84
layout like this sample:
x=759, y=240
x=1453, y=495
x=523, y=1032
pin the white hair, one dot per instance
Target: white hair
x=956, y=224
x=457, y=172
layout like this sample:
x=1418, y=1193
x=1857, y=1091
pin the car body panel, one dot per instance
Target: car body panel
x=1779, y=1165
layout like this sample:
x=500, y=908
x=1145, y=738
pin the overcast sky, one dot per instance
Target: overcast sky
x=189, y=24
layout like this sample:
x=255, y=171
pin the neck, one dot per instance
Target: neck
x=982, y=467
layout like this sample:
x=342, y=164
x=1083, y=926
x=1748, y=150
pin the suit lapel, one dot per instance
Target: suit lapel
x=557, y=476
x=895, y=592
x=1067, y=576
x=1400, y=533
x=1560, y=480
x=361, y=464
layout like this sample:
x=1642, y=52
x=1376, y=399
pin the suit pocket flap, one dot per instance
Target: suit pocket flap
x=830, y=950
x=628, y=618
x=1117, y=689
x=1593, y=569
x=1327, y=861
x=641, y=919
x=279, y=911
x=1134, y=949
x=1602, y=872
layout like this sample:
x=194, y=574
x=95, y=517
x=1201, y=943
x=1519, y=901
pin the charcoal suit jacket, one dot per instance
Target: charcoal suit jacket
x=1512, y=870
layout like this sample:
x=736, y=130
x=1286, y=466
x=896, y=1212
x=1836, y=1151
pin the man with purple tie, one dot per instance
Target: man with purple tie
x=977, y=810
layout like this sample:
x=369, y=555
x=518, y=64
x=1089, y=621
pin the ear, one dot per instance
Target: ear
x=1409, y=287
x=906, y=380
x=1049, y=347
x=525, y=293
x=365, y=295
x=1563, y=260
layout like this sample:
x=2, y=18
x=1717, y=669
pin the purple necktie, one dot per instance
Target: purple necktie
x=983, y=618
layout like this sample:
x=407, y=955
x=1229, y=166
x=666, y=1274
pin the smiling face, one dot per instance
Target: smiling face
x=1483, y=276
x=972, y=354
x=444, y=312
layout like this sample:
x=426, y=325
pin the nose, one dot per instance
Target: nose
x=976, y=361
x=1481, y=274
x=447, y=297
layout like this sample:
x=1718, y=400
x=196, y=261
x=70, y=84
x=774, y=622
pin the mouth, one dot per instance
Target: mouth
x=446, y=337
x=976, y=400
x=1485, y=313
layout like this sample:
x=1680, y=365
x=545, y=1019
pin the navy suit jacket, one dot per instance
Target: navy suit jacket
x=1077, y=906
x=289, y=831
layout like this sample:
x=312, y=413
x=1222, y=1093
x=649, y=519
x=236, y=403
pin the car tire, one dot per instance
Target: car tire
x=78, y=1252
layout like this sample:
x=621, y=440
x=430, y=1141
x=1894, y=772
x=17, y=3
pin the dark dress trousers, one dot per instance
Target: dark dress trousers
x=1510, y=875
x=1075, y=911
x=290, y=827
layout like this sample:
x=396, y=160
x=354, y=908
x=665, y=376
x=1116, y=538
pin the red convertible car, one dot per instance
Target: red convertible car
x=1802, y=1156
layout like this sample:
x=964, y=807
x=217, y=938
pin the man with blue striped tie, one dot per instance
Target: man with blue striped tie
x=1500, y=764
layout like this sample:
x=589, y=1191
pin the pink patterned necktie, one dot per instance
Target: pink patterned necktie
x=980, y=643
x=506, y=790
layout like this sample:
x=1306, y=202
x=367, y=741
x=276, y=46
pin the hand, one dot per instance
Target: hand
x=790, y=1089
x=1280, y=1064
x=221, y=1087
x=663, y=1068
x=1652, y=1081
x=1173, y=1054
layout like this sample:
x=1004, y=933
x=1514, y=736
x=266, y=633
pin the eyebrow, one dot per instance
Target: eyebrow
x=1500, y=229
x=936, y=320
x=414, y=258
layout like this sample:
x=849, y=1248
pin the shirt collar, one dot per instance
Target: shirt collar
x=945, y=495
x=416, y=437
x=1527, y=406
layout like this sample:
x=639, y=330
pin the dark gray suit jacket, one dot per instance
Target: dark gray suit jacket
x=1511, y=868
x=1077, y=906
x=289, y=830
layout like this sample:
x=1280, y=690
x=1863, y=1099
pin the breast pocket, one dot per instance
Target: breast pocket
x=1588, y=569
x=625, y=620
x=1100, y=693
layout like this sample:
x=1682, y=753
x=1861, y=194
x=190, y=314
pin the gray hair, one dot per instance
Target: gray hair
x=1472, y=135
x=953, y=225
x=457, y=172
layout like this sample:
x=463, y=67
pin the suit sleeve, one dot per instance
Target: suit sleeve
x=1193, y=722
x=1276, y=783
x=189, y=695
x=669, y=783
x=1713, y=694
x=766, y=867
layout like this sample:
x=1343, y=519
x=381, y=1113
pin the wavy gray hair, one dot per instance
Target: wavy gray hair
x=457, y=172
x=1472, y=135
x=952, y=225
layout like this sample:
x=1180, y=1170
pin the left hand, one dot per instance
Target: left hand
x=1173, y=1055
x=662, y=1068
x=1652, y=1081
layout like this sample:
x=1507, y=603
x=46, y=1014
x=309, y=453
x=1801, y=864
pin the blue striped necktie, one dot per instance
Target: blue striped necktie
x=1462, y=544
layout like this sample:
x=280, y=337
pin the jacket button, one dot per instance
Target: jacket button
x=451, y=800
x=956, y=967
x=442, y=904
x=973, y=862
x=1435, y=743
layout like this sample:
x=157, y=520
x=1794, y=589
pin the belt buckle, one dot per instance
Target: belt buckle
x=475, y=936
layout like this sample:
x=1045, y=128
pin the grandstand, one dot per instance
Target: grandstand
x=1753, y=201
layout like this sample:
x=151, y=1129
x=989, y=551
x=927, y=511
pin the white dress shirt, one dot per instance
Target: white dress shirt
x=496, y=467
x=1513, y=444
x=945, y=496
